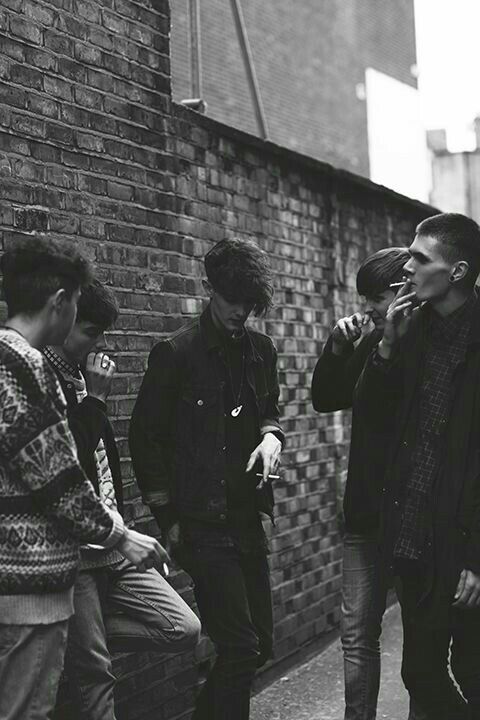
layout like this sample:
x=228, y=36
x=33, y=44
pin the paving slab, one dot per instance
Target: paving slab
x=314, y=690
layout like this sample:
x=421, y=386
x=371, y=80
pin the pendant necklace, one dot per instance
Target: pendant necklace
x=238, y=407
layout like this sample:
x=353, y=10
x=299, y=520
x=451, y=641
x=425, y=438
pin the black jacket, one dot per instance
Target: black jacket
x=177, y=432
x=333, y=384
x=88, y=423
x=391, y=392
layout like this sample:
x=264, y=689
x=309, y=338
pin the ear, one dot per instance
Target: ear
x=208, y=288
x=58, y=300
x=459, y=271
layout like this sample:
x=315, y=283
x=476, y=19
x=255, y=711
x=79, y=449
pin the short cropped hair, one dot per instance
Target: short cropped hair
x=98, y=305
x=240, y=272
x=459, y=237
x=35, y=268
x=380, y=269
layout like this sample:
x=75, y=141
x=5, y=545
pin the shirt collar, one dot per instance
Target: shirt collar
x=449, y=326
x=214, y=339
x=63, y=366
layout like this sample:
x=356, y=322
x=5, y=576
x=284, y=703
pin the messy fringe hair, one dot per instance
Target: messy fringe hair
x=240, y=272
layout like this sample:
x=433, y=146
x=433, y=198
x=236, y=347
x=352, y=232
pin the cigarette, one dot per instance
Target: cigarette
x=398, y=284
x=270, y=477
x=166, y=571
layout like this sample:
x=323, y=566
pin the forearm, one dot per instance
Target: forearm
x=86, y=422
x=378, y=390
x=58, y=487
x=332, y=386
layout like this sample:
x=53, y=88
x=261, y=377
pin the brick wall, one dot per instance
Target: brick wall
x=309, y=57
x=92, y=151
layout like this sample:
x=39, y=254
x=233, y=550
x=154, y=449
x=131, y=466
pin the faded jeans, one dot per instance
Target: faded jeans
x=132, y=611
x=363, y=605
x=31, y=661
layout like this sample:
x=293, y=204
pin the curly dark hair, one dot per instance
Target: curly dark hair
x=35, y=268
x=240, y=272
x=98, y=305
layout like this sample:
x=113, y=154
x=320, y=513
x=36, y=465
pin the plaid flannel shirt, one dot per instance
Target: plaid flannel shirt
x=446, y=345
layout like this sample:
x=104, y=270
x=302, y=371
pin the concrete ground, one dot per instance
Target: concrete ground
x=314, y=691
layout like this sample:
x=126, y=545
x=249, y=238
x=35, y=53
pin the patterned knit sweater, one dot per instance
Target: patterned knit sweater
x=47, y=505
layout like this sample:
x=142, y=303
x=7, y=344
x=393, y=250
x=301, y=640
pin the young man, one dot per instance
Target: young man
x=423, y=381
x=205, y=421
x=47, y=505
x=134, y=610
x=334, y=379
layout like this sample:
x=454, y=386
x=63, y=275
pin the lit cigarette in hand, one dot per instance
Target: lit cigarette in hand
x=269, y=477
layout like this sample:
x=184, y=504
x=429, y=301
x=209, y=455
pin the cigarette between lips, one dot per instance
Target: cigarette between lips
x=399, y=284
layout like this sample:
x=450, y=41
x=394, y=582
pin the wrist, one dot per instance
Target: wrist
x=385, y=349
x=339, y=348
x=98, y=396
x=271, y=434
x=123, y=539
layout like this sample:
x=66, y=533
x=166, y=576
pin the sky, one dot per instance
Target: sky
x=448, y=59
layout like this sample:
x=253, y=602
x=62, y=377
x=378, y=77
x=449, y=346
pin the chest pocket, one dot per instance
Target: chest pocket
x=198, y=419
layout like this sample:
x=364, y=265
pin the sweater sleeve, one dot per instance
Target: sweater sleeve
x=39, y=451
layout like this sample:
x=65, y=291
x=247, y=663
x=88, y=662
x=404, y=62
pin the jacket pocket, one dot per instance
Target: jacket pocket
x=197, y=421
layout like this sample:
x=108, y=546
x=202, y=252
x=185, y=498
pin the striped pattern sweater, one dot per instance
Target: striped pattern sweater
x=47, y=505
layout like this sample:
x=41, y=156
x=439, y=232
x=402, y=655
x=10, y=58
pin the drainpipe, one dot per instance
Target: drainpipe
x=250, y=68
x=195, y=49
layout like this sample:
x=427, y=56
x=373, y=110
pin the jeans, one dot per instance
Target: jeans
x=426, y=651
x=31, y=661
x=363, y=605
x=132, y=611
x=233, y=594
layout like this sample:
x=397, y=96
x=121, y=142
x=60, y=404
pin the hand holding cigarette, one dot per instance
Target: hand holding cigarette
x=398, y=318
x=347, y=330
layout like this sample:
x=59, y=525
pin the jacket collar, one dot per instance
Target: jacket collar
x=213, y=339
x=474, y=334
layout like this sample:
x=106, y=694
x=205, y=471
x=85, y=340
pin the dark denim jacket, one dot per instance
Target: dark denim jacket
x=177, y=432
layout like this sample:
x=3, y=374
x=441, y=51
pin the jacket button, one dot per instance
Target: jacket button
x=405, y=443
x=200, y=402
x=222, y=517
x=396, y=503
x=222, y=482
x=224, y=448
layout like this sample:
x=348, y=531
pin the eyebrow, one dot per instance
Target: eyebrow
x=418, y=255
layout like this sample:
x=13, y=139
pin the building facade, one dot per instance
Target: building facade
x=311, y=75
x=455, y=175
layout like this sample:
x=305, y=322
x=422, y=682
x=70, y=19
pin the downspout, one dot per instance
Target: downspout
x=250, y=68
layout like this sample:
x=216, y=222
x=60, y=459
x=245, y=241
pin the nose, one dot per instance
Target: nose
x=101, y=342
x=407, y=268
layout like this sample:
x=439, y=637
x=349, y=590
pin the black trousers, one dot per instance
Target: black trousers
x=232, y=590
x=431, y=634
